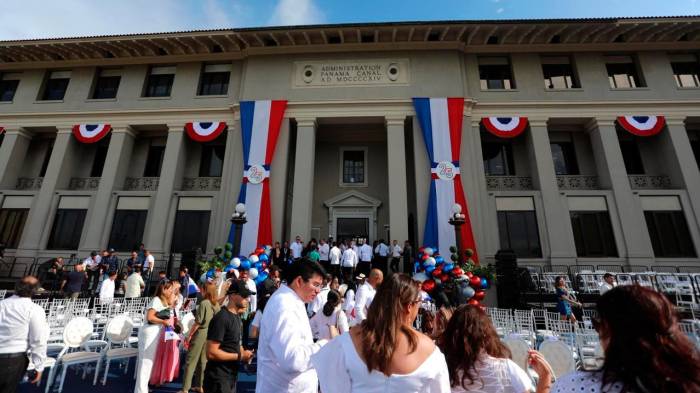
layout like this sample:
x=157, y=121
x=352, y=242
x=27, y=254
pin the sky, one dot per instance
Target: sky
x=25, y=19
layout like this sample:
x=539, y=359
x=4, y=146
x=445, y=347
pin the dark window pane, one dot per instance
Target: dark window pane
x=67, y=228
x=11, y=226
x=353, y=166
x=159, y=85
x=631, y=157
x=559, y=76
x=191, y=230
x=623, y=75
x=8, y=89
x=127, y=229
x=695, y=145
x=686, y=74
x=47, y=158
x=100, y=156
x=214, y=83
x=154, y=161
x=106, y=87
x=55, y=89
x=593, y=234
x=517, y=231
x=212, y=161
x=670, y=237
x=564, y=157
x=498, y=158
x=496, y=76
x=2, y=137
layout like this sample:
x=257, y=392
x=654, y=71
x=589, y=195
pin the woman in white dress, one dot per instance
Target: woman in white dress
x=331, y=321
x=480, y=362
x=384, y=353
x=149, y=333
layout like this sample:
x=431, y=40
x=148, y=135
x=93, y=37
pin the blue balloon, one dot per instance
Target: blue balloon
x=484, y=283
x=439, y=260
x=429, y=269
x=245, y=264
x=416, y=266
x=228, y=268
x=258, y=265
x=263, y=258
x=211, y=273
x=448, y=267
x=467, y=291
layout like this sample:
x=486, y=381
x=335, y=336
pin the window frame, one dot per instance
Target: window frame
x=47, y=88
x=534, y=253
x=574, y=82
x=205, y=169
x=76, y=232
x=150, y=86
x=599, y=215
x=204, y=74
x=181, y=218
x=137, y=234
x=654, y=229
x=570, y=160
x=100, y=76
x=341, y=166
x=508, y=160
x=4, y=83
x=485, y=84
x=636, y=80
x=16, y=226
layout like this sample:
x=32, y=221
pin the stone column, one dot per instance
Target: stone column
x=421, y=163
x=556, y=214
x=231, y=176
x=302, y=199
x=396, y=171
x=121, y=145
x=57, y=177
x=278, y=181
x=613, y=175
x=170, y=180
x=687, y=164
x=12, y=155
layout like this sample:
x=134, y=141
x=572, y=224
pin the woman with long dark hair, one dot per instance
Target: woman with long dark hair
x=564, y=300
x=645, y=350
x=384, y=353
x=331, y=321
x=479, y=362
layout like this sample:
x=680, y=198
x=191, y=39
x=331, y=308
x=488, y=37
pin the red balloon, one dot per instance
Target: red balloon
x=420, y=250
x=457, y=271
x=479, y=295
x=475, y=282
x=259, y=251
x=473, y=302
x=470, y=274
x=424, y=257
x=428, y=285
x=437, y=272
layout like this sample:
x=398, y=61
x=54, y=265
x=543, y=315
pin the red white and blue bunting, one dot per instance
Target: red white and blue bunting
x=90, y=133
x=260, y=127
x=441, y=122
x=505, y=127
x=642, y=125
x=201, y=131
x=2, y=130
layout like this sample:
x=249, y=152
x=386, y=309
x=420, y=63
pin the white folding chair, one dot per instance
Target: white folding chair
x=117, y=332
x=590, y=352
x=76, y=333
x=518, y=350
x=559, y=356
x=3, y=293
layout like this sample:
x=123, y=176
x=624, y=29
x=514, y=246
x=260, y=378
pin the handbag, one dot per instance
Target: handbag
x=163, y=314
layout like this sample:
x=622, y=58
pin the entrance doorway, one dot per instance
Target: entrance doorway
x=352, y=229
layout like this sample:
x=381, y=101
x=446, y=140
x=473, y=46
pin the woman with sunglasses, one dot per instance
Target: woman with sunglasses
x=384, y=353
x=645, y=350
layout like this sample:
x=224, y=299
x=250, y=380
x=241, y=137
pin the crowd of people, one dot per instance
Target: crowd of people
x=336, y=325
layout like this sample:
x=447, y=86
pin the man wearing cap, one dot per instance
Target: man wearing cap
x=224, y=347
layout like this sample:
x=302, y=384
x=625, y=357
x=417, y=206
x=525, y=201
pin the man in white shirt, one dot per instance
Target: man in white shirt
x=348, y=264
x=107, y=287
x=383, y=252
x=23, y=328
x=317, y=304
x=365, y=294
x=286, y=342
x=92, y=267
x=365, y=254
x=608, y=283
x=134, y=284
x=148, y=262
x=395, y=256
x=323, y=251
x=334, y=256
x=297, y=247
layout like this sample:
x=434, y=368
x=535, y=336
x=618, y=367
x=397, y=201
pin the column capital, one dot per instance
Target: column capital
x=394, y=120
x=64, y=130
x=306, y=122
x=124, y=130
x=538, y=122
x=675, y=121
x=597, y=122
x=176, y=127
x=19, y=131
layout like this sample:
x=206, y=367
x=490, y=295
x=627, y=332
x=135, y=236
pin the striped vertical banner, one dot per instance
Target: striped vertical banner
x=441, y=122
x=260, y=127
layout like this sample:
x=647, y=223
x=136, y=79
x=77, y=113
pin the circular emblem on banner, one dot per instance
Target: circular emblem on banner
x=256, y=174
x=446, y=170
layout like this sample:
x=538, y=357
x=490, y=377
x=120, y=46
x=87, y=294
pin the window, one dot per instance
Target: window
x=154, y=161
x=214, y=80
x=353, y=166
x=212, y=161
x=686, y=70
x=623, y=72
x=8, y=86
x=495, y=73
x=559, y=73
x=100, y=156
x=593, y=234
x=127, y=229
x=11, y=226
x=56, y=85
x=191, y=230
x=669, y=234
x=67, y=228
x=518, y=231
x=564, y=157
x=631, y=157
x=498, y=158
x=47, y=158
x=159, y=82
x=107, y=84
x=695, y=145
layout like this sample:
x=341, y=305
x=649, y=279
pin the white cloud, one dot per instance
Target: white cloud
x=500, y=10
x=296, y=12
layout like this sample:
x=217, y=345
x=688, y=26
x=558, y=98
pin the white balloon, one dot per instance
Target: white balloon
x=236, y=262
x=253, y=273
x=420, y=276
x=253, y=259
x=428, y=251
x=430, y=261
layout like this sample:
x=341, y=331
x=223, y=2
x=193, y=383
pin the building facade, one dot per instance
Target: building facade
x=573, y=188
